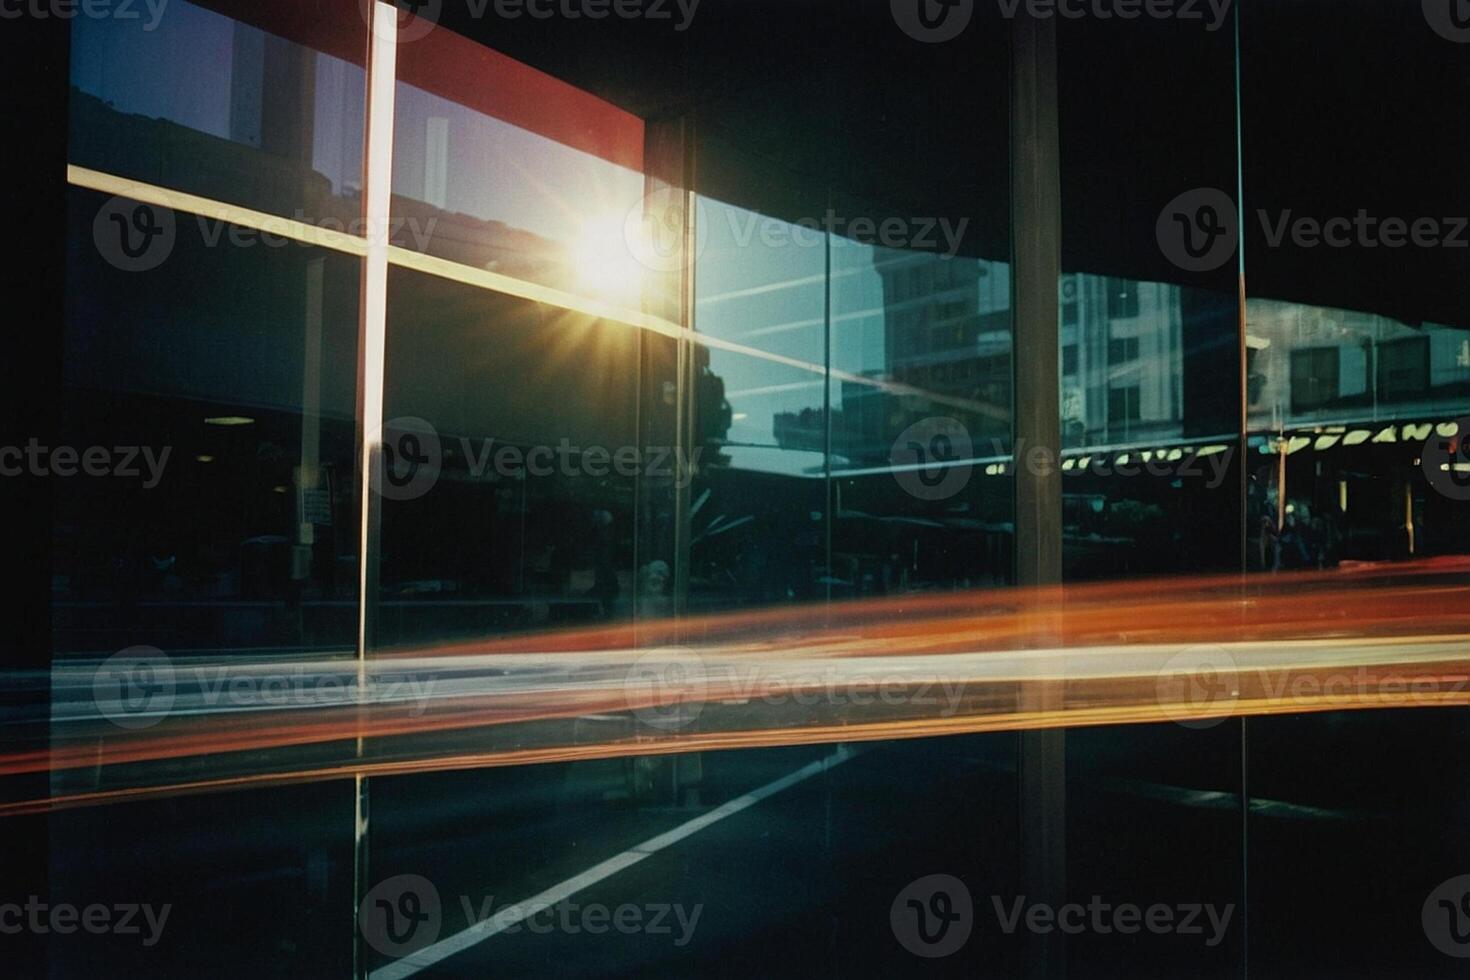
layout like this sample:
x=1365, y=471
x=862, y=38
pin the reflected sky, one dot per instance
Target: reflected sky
x=466, y=162
x=225, y=64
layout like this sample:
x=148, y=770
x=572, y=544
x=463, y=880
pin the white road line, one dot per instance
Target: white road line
x=515, y=914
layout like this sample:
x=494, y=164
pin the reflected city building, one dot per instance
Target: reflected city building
x=1122, y=344
x=1344, y=406
x=1312, y=365
x=230, y=101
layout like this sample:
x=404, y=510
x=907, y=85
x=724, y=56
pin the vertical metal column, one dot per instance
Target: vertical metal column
x=1036, y=254
x=372, y=344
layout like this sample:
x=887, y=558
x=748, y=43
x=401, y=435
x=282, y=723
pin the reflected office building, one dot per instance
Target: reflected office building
x=818, y=488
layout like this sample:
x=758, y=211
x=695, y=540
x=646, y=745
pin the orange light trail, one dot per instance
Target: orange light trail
x=1190, y=650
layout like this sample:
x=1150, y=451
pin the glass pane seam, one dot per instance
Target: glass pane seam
x=180, y=201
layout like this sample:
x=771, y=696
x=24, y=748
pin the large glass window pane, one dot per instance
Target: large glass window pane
x=760, y=281
x=512, y=430
x=1356, y=261
x=1358, y=331
x=206, y=494
x=1149, y=343
x=222, y=386
x=518, y=174
x=257, y=104
x=1150, y=479
x=758, y=510
x=757, y=502
x=921, y=394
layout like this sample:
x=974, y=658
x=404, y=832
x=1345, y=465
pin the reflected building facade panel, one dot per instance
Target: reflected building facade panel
x=1311, y=365
x=256, y=105
x=1122, y=362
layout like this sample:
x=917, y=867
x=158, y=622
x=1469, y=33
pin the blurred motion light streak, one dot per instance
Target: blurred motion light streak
x=1191, y=651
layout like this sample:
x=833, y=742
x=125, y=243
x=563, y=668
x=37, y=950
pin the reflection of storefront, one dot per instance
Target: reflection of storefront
x=1345, y=403
x=1321, y=365
x=1367, y=492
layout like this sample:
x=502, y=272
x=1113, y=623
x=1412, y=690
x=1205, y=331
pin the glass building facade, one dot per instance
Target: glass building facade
x=411, y=336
